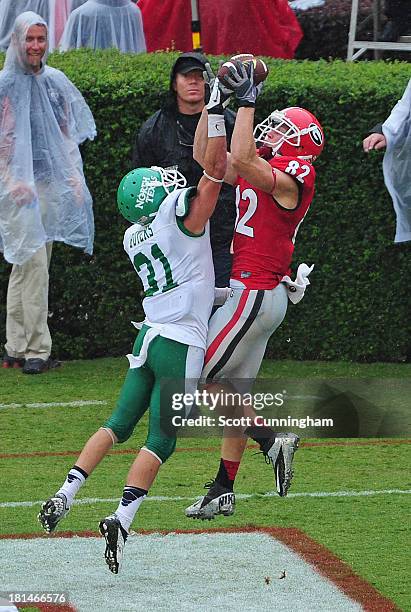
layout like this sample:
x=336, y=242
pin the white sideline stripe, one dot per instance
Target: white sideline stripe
x=162, y=498
x=60, y=404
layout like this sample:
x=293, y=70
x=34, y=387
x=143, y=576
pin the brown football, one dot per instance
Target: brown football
x=260, y=67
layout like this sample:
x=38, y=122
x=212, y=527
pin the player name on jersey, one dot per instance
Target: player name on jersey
x=140, y=236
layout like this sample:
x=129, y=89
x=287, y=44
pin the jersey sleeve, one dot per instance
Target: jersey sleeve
x=183, y=201
x=299, y=169
x=126, y=240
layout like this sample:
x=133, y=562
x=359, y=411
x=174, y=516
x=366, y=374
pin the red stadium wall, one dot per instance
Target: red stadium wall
x=266, y=27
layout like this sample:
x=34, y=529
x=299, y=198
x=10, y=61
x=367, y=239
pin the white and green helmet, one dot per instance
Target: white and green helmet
x=141, y=192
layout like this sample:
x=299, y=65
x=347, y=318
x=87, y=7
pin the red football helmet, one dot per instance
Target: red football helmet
x=294, y=132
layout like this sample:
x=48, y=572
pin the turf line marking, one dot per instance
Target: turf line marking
x=74, y=404
x=166, y=498
x=198, y=449
x=80, y=403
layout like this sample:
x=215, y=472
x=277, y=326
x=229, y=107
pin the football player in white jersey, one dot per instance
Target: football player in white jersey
x=168, y=244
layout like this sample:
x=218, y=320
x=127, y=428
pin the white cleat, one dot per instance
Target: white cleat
x=218, y=500
x=281, y=455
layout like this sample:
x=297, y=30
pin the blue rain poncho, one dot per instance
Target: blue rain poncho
x=397, y=163
x=43, y=119
x=102, y=24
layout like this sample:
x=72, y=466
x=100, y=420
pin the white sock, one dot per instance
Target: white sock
x=130, y=503
x=75, y=479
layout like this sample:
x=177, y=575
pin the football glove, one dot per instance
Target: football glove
x=217, y=96
x=241, y=81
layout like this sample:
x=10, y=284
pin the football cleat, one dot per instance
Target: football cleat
x=52, y=511
x=115, y=536
x=219, y=500
x=280, y=454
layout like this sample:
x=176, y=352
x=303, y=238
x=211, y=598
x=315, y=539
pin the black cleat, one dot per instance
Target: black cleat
x=52, y=511
x=115, y=536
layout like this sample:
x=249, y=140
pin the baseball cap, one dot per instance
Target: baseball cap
x=188, y=62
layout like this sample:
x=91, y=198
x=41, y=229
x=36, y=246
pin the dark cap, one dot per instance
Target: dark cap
x=188, y=62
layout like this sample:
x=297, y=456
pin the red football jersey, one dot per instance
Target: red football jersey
x=265, y=231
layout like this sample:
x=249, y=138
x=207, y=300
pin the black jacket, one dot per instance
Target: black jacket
x=162, y=141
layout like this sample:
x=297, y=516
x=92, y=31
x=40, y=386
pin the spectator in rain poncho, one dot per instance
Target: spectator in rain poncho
x=10, y=9
x=43, y=194
x=397, y=163
x=395, y=134
x=102, y=24
x=59, y=11
x=54, y=12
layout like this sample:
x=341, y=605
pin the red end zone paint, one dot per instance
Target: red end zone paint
x=324, y=562
x=193, y=449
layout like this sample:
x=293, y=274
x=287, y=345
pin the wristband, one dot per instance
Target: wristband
x=216, y=126
x=211, y=178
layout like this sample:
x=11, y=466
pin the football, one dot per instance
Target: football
x=260, y=67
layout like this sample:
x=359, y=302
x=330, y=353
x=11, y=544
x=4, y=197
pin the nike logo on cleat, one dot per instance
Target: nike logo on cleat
x=226, y=499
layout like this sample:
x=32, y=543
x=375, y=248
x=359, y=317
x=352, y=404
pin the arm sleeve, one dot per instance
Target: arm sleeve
x=377, y=129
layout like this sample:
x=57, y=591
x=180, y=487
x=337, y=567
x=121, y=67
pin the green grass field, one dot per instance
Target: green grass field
x=368, y=531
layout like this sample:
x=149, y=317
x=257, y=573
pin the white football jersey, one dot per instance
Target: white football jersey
x=176, y=269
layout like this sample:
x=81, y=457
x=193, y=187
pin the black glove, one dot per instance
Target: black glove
x=217, y=96
x=241, y=81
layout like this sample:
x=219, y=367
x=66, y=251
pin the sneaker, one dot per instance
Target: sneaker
x=280, y=454
x=12, y=362
x=218, y=500
x=37, y=366
x=52, y=511
x=115, y=536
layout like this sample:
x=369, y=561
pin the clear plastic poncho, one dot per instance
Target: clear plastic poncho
x=43, y=119
x=54, y=12
x=76, y=3
x=11, y=9
x=102, y=24
x=397, y=163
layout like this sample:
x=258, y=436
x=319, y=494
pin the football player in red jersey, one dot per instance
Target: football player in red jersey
x=274, y=190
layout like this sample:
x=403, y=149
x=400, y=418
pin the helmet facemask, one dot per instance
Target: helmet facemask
x=286, y=129
x=171, y=178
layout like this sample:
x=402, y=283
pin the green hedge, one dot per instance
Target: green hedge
x=357, y=307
